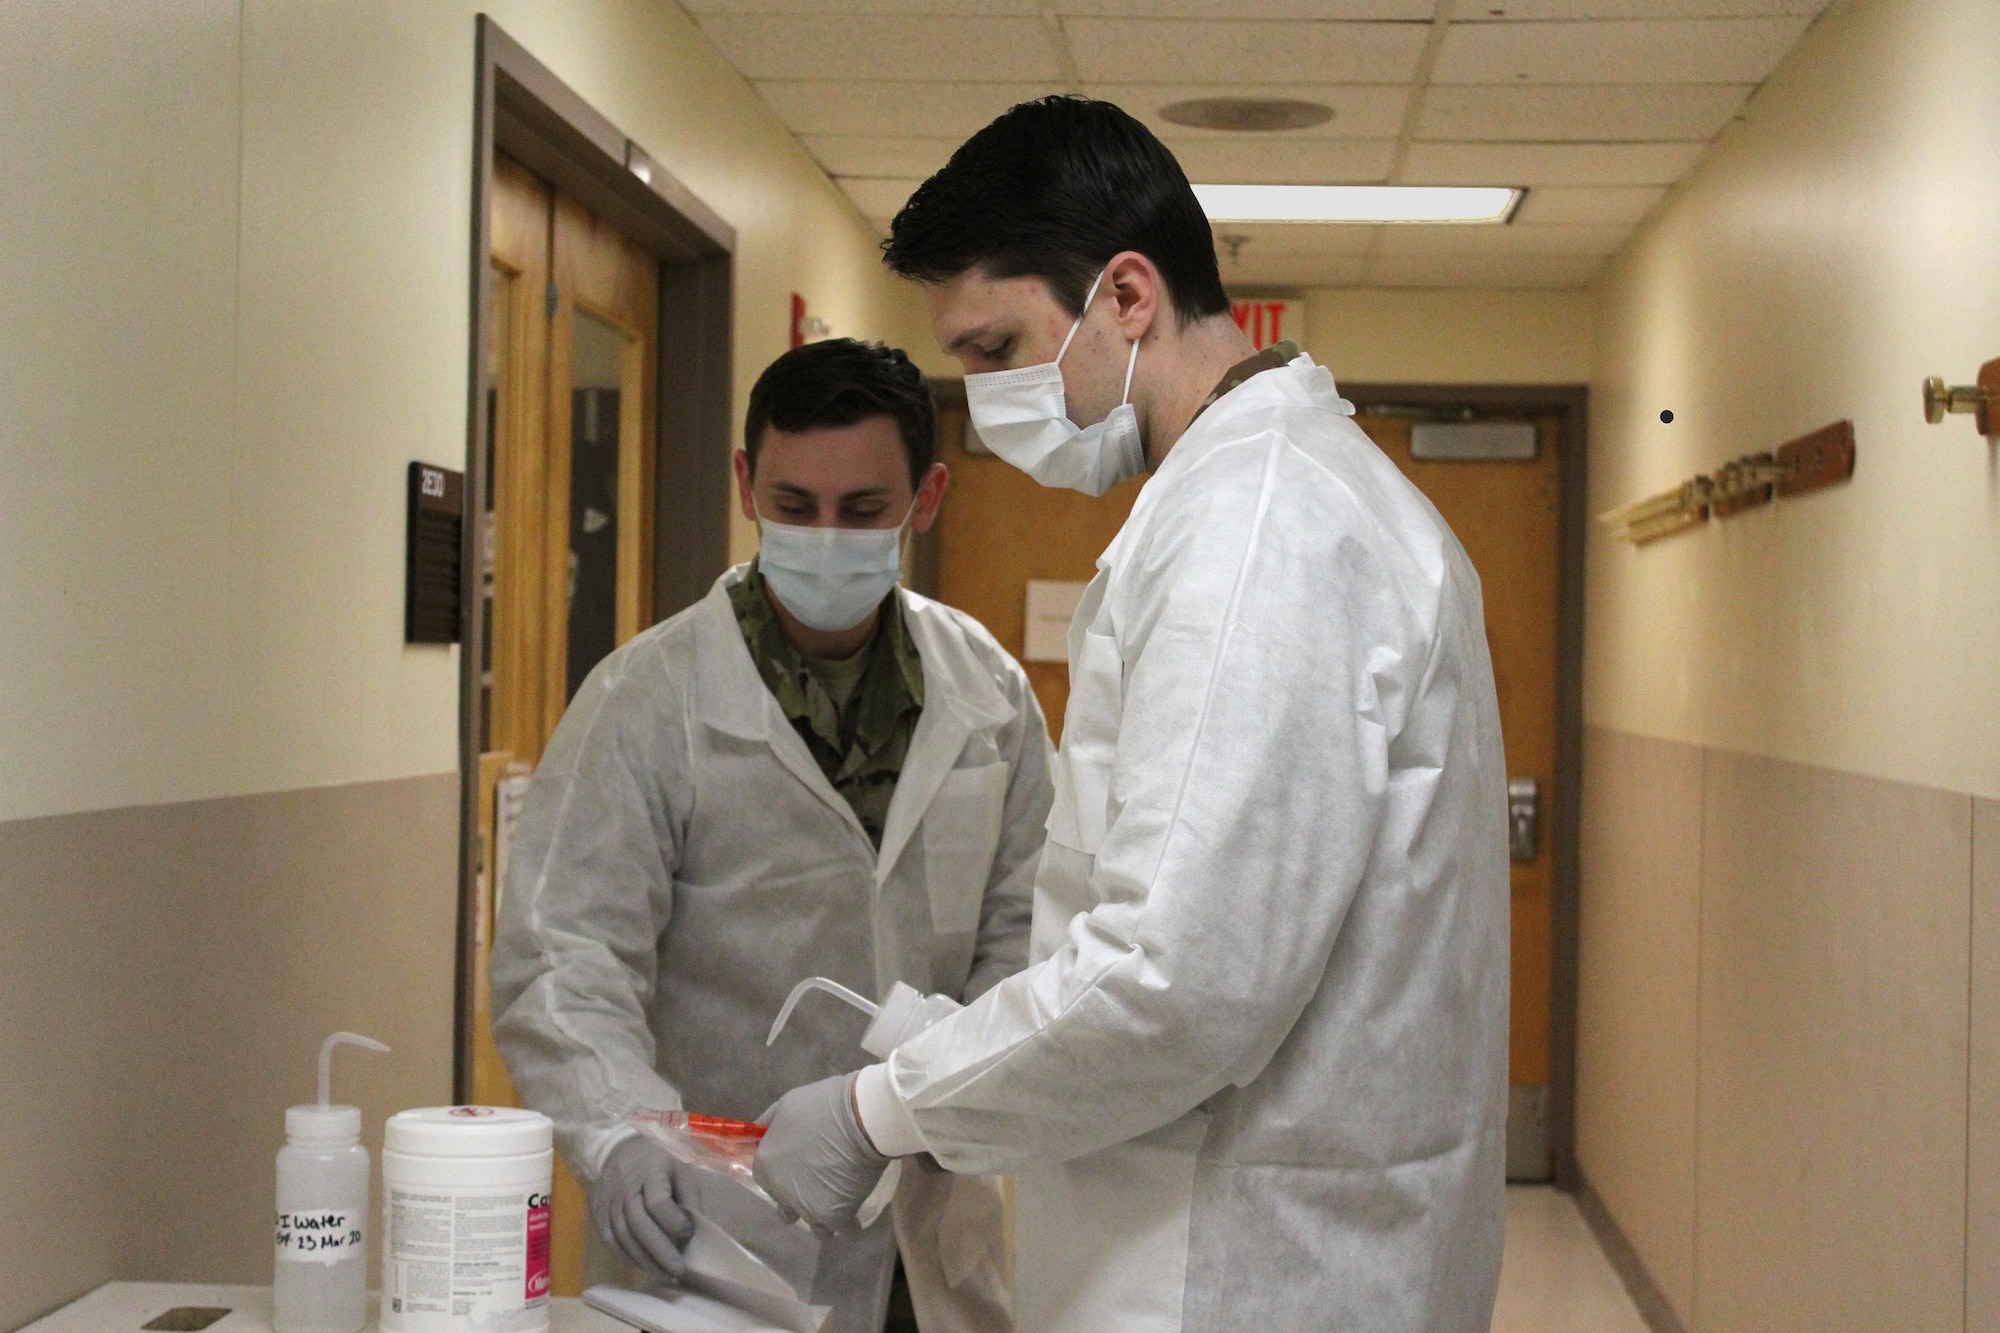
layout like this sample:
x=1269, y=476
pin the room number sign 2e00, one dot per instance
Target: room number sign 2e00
x=436, y=518
x=321, y=1236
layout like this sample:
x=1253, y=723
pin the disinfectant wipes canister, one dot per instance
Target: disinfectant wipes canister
x=466, y=1220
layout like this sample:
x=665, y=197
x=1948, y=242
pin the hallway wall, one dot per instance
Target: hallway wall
x=233, y=307
x=1451, y=337
x=1790, y=992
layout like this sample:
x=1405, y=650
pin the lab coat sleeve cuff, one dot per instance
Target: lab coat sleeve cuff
x=884, y=1119
x=598, y=1144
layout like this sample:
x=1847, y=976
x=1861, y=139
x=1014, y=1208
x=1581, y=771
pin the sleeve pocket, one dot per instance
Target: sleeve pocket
x=961, y=833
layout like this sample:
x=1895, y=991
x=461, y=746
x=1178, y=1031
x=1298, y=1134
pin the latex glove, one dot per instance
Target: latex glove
x=816, y=1162
x=635, y=1209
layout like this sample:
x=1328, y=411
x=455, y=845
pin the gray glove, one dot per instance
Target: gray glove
x=815, y=1161
x=635, y=1208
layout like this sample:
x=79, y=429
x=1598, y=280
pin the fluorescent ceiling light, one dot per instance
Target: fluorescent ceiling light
x=1357, y=203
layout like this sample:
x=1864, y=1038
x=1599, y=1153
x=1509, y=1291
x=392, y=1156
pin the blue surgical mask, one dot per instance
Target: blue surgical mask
x=830, y=578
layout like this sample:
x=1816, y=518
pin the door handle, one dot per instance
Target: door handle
x=1523, y=804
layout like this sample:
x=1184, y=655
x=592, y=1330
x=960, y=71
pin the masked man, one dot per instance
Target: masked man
x=811, y=772
x=1255, y=1075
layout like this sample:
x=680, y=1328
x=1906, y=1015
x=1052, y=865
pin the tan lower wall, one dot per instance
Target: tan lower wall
x=166, y=974
x=1777, y=1048
x=1982, y=1139
x=1636, y=1041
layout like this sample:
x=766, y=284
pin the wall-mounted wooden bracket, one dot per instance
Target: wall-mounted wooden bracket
x=1823, y=458
x=1977, y=399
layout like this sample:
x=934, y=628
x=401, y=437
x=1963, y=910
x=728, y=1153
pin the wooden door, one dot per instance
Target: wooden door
x=999, y=529
x=568, y=525
x=1507, y=515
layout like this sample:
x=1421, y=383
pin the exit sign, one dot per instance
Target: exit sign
x=1266, y=322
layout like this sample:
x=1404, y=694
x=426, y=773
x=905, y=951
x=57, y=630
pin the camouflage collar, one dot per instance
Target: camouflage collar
x=1278, y=354
x=892, y=684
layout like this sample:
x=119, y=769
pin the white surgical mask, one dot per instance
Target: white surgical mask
x=830, y=578
x=1023, y=416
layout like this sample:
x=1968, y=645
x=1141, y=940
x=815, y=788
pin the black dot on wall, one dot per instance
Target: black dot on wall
x=1667, y=418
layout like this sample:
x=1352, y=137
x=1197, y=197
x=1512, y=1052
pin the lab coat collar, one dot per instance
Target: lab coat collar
x=1301, y=382
x=959, y=699
x=729, y=696
x=952, y=676
x=724, y=671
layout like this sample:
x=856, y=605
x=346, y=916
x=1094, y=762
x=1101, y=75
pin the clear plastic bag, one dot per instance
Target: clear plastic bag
x=708, y=1141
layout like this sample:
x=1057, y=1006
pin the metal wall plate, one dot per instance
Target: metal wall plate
x=1473, y=441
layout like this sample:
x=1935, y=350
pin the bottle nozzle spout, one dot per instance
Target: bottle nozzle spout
x=831, y=987
x=326, y=1060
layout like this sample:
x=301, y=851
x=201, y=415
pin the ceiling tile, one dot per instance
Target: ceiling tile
x=878, y=155
x=1224, y=51
x=1603, y=204
x=1249, y=9
x=1595, y=112
x=871, y=46
x=1360, y=111
x=1637, y=51
x=1479, y=11
x=974, y=8
x=876, y=198
x=1547, y=164
x=1265, y=239
x=1293, y=271
x=1285, y=161
x=1483, y=270
x=814, y=106
x=1516, y=239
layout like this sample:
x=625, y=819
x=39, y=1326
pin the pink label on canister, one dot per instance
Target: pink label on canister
x=538, y=1247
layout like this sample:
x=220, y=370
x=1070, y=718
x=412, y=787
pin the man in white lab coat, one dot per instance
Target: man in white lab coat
x=1255, y=1075
x=811, y=772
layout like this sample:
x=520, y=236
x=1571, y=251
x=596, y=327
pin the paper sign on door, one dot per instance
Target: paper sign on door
x=1051, y=606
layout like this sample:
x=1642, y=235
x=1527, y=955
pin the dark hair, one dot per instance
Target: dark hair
x=837, y=383
x=1053, y=189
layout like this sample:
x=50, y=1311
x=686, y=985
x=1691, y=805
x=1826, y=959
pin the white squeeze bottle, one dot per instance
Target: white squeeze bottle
x=321, y=1282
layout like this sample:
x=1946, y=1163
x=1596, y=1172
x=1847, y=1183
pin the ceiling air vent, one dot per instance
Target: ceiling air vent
x=1247, y=113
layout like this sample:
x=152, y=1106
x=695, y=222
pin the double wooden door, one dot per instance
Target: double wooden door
x=566, y=532
x=1000, y=529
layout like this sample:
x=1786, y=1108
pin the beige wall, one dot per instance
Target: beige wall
x=1786, y=1060
x=1839, y=246
x=232, y=309
x=236, y=307
x=1451, y=337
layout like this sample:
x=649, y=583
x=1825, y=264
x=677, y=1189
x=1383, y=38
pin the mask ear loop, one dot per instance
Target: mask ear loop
x=1088, y=298
x=1130, y=366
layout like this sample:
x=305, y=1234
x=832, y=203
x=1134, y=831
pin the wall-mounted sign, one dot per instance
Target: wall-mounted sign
x=1472, y=441
x=431, y=569
x=1270, y=321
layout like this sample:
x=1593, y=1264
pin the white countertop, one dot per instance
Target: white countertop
x=123, y=1307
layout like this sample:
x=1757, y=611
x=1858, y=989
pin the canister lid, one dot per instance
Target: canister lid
x=468, y=1131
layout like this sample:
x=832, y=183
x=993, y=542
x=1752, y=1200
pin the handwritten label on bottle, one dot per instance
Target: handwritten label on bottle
x=319, y=1235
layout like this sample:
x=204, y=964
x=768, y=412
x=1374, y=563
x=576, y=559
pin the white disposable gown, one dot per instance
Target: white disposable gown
x=682, y=862
x=1256, y=1076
